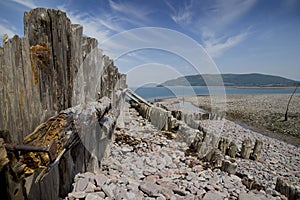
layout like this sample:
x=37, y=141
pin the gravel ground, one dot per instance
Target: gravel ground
x=148, y=164
x=264, y=112
x=277, y=159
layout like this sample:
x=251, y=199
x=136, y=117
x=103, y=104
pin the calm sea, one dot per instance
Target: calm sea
x=152, y=93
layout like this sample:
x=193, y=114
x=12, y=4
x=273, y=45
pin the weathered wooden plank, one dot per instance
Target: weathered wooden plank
x=42, y=74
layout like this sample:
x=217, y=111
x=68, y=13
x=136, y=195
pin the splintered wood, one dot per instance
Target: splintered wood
x=55, y=128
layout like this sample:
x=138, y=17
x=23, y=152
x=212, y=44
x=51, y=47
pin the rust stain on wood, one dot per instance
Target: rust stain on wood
x=39, y=54
x=54, y=128
x=21, y=95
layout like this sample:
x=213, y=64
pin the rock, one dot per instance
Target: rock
x=179, y=192
x=108, y=191
x=130, y=196
x=160, y=197
x=91, y=196
x=255, y=155
x=167, y=192
x=90, y=188
x=100, y=179
x=246, y=149
x=201, y=192
x=247, y=196
x=232, y=149
x=209, y=187
x=77, y=195
x=229, y=185
x=81, y=184
x=213, y=195
x=217, y=187
x=120, y=193
x=151, y=178
x=192, y=189
x=151, y=189
x=235, y=178
x=126, y=149
x=100, y=194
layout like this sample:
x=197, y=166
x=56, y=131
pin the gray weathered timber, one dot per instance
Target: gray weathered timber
x=53, y=71
x=288, y=188
x=246, y=148
x=255, y=155
x=232, y=150
x=224, y=144
x=53, y=67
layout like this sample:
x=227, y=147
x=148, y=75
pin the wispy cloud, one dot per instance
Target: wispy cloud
x=100, y=28
x=211, y=19
x=225, y=12
x=6, y=30
x=135, y=14
x=223, y=15
x=216, y=46
x=183, y=15
x=108, y=23
x=27, y=3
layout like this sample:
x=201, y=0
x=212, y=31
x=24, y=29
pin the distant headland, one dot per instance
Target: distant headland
x=233, y=80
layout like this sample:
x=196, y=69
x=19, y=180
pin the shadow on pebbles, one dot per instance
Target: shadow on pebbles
x=148, y=164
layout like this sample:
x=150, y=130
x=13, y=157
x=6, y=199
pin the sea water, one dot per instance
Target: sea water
x=154, y=93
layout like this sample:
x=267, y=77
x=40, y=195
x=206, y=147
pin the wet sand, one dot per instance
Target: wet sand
x=264, y=112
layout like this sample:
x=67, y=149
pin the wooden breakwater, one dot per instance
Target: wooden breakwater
x=55, y=85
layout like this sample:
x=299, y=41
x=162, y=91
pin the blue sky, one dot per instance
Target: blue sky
x=247, y=36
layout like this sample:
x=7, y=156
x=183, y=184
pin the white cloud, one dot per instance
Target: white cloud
x=6, y=30
x=136, y=15
x=212, y=18
x=27, y=3
x=216, y=46
x=183, y=15
x=93, y=26
x=224, y=12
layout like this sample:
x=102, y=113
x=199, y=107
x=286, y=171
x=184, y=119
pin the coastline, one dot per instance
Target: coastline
x=263, y=113
x=227, y=86
x=144, y=162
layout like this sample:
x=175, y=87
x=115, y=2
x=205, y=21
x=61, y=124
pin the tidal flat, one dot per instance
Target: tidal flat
x=262, y=112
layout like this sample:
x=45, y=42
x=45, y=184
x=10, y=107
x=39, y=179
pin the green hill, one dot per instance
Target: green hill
x=243, y=80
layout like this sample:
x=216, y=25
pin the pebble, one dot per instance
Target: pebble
x=92, y=197
x=157, y=168
x=213, y=195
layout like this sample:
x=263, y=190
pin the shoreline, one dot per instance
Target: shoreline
x=145, y=162
x=220, y=86
x=261, y=118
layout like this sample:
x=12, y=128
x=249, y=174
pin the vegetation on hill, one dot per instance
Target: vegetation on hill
x=246, y=80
